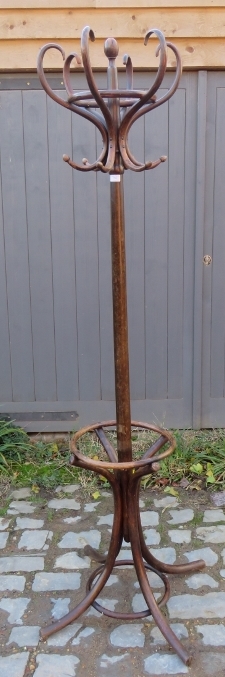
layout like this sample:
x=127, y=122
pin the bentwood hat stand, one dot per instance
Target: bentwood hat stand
x=118, y=109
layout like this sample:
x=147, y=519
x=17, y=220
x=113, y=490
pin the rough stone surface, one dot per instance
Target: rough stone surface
x=14, y=665
x=15, y=608
x=20, y=563
x=28, y=523
x=34, y=539
x=50, y=581
x=128, y=636
x=56, y=666
x=181, y=516
x=64, y=503
x=67, y=488
x=164, y=664
x=60, y=607
x=213, y=534
x=63, y=637
x=214, y=516
x=166, y=502
x=149, y=518
x=211, y=605
x=20, y=506
x=209, y=556
x=4, y=523
x=152, y=537
x=213, y=635
x=166, y=555
x=72, y=561
x=21, y=493
x=199, y=580
x=178, y=628
x=4, y=535
x=27, y=635
x=177, y=536
x=79, y=540
x=105, y=519
x=12, y=583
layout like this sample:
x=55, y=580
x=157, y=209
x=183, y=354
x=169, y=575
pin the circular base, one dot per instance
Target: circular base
x=134, y=615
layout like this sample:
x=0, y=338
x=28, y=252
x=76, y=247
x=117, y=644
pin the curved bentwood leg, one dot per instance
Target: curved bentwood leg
x=114, y=548
x=160, y=620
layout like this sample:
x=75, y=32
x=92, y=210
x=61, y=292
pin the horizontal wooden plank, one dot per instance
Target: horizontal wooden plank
x=76, y=4
x=55, y=24
x=19, y=55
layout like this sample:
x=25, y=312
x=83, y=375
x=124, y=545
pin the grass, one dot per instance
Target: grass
x=197, y=462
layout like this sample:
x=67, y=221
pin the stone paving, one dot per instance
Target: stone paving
x=43, y=573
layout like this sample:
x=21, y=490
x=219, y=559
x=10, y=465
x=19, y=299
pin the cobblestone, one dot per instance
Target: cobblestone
x=39, y=585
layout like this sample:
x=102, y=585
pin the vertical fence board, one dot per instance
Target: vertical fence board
x=63, y=252
x=16, y=251
x=156, y=256
x=39, y=234
x=86, y=249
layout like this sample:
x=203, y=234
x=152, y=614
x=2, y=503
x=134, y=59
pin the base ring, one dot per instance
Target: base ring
x=134, y=615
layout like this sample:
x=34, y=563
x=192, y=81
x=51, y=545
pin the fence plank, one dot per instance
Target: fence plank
x=16, y=248
x=40, y=246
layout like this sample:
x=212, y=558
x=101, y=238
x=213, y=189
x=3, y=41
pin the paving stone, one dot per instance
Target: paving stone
x=107, y=603
x=181, y=516
x=178, y=628
x=214, y=516
x=14, y=665
x=105, y=519
x=72, y=520
x=213, y=534
x=154, y=580
x=207, y=554
x=72, y=561
x=161, y=664
x=166, y=555
x=28, y=523
x=111, y=580
x=79, y=540
x=199, y=580
x=223, y=555
x=34, y=539
x=210, y=664
x=21, y=493
x=178, y=536
x=62, y=503
x=67, y=488
x=26, y=636
x=62, y=637
x=61, y=607
x=56, y=666
x=4, y=535
x=12, y=583
x=15, y=608
x=91, y=507
x=86, y=632
x=149, y=518
x=166, y=502
x=213, y=635
x=211, y=605
x=50, y=581
x=4, y=523
x=139, y=603
x=21, y=563
x=152, y=537
x=128, y=635
x=106, y=661
x=20, y=506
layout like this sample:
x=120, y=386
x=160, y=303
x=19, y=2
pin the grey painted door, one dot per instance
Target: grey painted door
x=213, y=244
x=56, y=358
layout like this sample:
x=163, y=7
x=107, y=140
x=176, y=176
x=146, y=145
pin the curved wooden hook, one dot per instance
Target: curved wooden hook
x=83, y=112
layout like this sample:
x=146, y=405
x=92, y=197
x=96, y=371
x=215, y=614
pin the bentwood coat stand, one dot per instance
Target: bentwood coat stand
x=118, y=109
